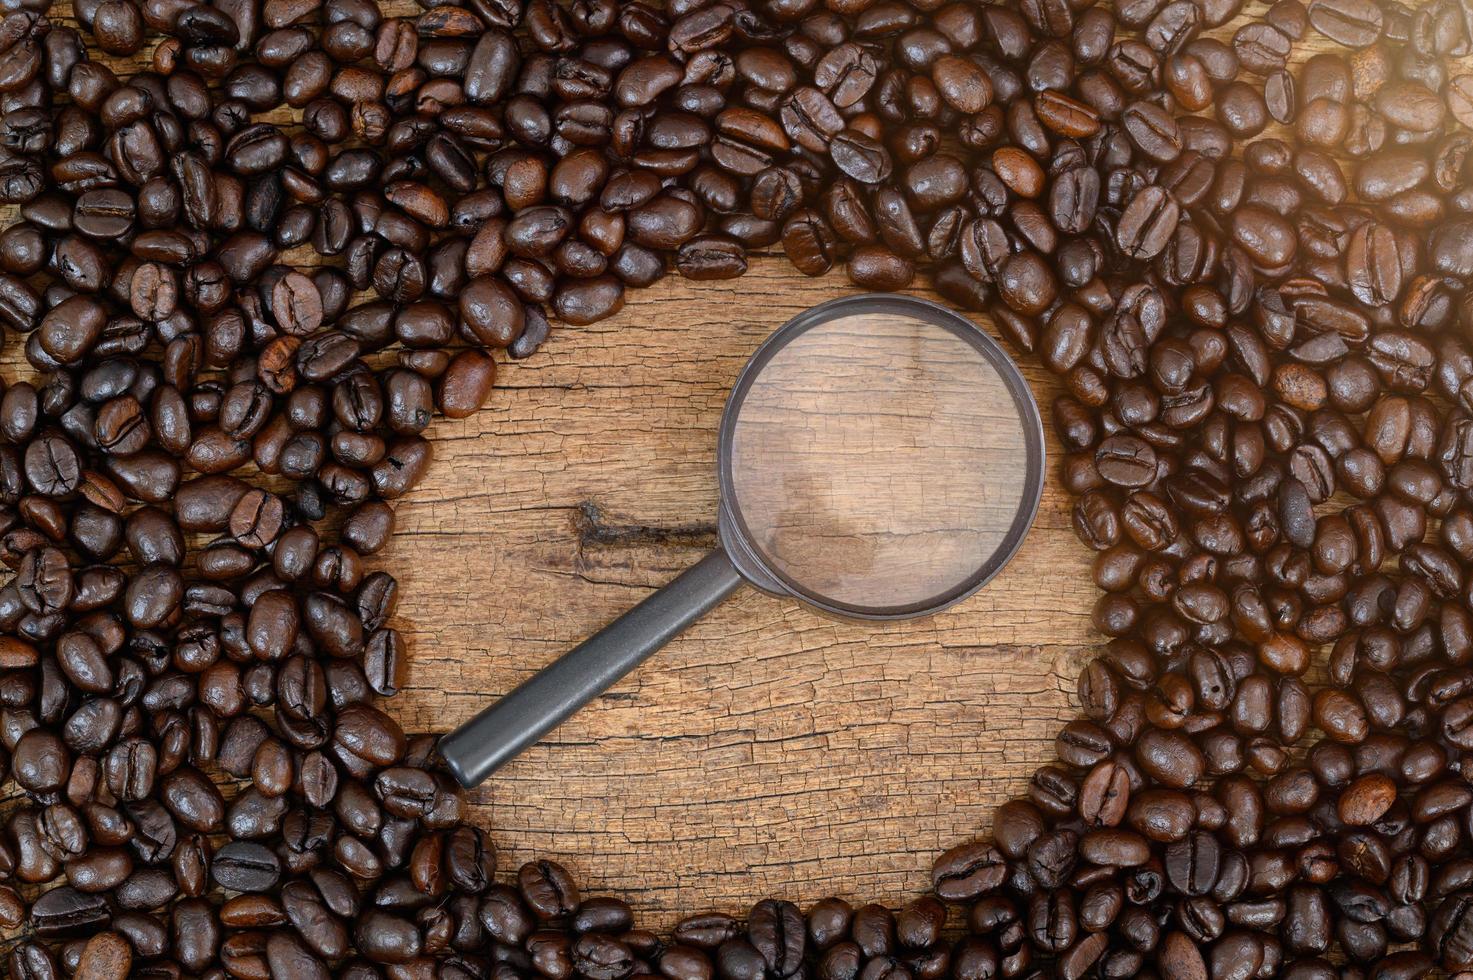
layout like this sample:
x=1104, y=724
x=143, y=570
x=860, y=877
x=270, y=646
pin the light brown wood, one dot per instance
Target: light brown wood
x=769, y=750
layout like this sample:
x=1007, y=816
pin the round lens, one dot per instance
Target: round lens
x=881, y=457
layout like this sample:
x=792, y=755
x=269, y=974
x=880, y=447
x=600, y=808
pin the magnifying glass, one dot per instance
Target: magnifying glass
x=879, y=458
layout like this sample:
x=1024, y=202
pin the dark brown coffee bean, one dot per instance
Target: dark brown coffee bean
x=1153, y=131
x=808, y=243
x=962, y=84
x=846, y=74
x=1147, y=223
x=860, y=157
x=1353, y=23
x=711, y=257
x=106, y=956
x=876, y=267
x=589, y=300
x=967, y=872
x=296, y=304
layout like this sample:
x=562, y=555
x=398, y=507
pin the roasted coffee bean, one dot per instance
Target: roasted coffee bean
x=65, y=912
x=860, y=157
x=1147, y=223
x=846, y=74
x=968, y=871
x=1353, y=23
x=245, y=867
x=711, y=257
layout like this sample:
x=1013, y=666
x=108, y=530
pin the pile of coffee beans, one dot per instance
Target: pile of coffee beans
x=247, y=275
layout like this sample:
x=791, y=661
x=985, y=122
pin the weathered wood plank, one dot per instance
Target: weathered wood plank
x=769, y=749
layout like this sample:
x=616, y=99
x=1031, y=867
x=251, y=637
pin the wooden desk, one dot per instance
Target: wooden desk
x=769, y=750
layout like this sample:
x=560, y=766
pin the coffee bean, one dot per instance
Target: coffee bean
x=590, y=300
x=1460, y=99
x=1018, y=171
x=296, y=304
x=548, y=889
x=1264, y=235
x=466, y=384
x=962, y=84
x=65, y=913
x=1353, y=23
x=1147, y=223
x=808, y=243
x=1153, y=131
x=1067, y=116
x=711, y=257
x=242, y=866
x=860, y=157
x=876, y=267
x=810, y=119
x=107, y=956
x=1262, y=48
x=967, y=872
x=491, y=312
x=846, y=74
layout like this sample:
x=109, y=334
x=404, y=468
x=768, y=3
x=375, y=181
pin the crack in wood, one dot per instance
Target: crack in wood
x=594, y=527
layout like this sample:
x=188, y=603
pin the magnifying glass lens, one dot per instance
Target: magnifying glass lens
x=879, y=463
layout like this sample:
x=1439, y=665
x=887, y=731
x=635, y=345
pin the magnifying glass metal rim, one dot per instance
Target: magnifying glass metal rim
x=737, y=538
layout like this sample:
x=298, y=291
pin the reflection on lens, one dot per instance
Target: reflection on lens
x=878, y=461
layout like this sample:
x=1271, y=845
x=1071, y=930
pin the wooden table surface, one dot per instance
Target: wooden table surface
x=769, y=750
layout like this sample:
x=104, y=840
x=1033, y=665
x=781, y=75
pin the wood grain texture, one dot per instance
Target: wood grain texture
x=769, y=750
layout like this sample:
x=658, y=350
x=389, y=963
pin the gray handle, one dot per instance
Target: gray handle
x=499, y=733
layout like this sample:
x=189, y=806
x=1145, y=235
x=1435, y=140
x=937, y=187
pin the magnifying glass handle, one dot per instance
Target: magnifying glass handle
x=499, y=733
